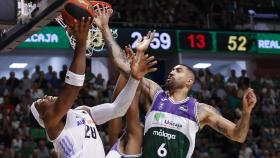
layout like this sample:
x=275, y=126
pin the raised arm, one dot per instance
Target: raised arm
x=149, y=87
x=141, y=65
x=74, y=79
x=208, y=115
x=117, y=54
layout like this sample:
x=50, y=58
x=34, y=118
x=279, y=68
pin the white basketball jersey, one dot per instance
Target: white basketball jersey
x=79, y=138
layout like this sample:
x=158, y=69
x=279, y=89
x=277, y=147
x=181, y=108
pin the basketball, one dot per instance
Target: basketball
x=76, y=9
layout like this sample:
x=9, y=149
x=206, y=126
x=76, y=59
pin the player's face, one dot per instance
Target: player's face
x=179, y=77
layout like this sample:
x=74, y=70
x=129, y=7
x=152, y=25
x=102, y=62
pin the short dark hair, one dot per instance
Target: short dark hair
x=191, y=70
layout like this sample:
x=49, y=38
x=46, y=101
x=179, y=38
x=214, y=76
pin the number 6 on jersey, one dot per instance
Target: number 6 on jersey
x=162, y=152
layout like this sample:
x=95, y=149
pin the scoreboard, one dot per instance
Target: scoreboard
x=228, y=42
x=164, y=40
x=172, y=40
x=184, y=41
x=194, y=40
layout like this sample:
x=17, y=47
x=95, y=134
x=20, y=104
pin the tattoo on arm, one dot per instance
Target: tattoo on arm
x=213, y=109
x=242, y=127
x=203, y=111
x=118, y=56
x=220, y=128
x=201, y=108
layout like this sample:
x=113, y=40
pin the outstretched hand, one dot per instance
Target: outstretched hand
x=249, y=101
x=129, y=53
x=102, y=16
x=142, y=64
x=143, y=43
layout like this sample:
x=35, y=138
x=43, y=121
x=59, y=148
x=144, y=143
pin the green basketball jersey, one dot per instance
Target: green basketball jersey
x=170, y=128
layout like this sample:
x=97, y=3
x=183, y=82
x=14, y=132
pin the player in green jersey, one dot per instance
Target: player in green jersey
x=173, y=118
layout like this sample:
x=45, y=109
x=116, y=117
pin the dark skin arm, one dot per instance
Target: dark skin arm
x=53, y=113
x=133, y=129
x=208, y=115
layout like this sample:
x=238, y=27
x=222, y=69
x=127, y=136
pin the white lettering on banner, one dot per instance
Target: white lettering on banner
x=268, y=44
x=43, y=38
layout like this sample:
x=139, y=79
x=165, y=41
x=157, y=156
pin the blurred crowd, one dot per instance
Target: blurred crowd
x=21, y=136
x=225, y=94
x=219, y=14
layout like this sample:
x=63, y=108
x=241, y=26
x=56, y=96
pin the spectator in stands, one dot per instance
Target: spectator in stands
x=12, y=81
x=100, y=82
x=36, y=92
x=243, y=79
x=48, y=75
x=43, y=150
x=36, y=74
x=89, y=75
x=41, y=81
x=19, y=90
x=17, y=143
x=232, y=76
x=27, y=97
x=27, y=82
x=7, y=106
x=3, y=88
x=54, y=80
x=245, y=152
x=205, y=93
x=62, y=73
x=93, y=92
x=49, y=90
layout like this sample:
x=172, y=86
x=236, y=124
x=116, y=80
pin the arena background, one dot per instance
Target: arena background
x=232, y=44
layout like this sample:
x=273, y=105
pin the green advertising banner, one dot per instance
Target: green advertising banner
x=268, y=43
x=47, y=37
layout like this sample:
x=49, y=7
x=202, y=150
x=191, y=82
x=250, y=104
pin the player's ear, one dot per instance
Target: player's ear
x=190, y=82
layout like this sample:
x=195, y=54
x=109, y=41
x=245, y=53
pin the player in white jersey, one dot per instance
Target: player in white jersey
x=170, y=123
x=77, y=136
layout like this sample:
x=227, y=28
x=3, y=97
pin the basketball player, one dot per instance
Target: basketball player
x=173, y=118
x=73, y=132
x=130, y=143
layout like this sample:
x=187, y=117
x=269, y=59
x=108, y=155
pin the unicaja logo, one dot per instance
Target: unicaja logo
x=166, y=122
x=177, y=125
x=157, y=116
x=161, y=133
